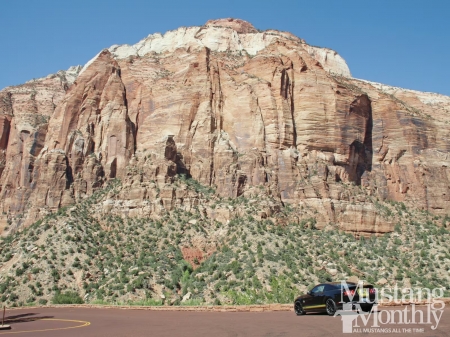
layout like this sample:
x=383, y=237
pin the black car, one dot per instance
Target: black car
x=330, y=297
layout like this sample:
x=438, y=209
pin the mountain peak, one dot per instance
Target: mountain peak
x=240, y=26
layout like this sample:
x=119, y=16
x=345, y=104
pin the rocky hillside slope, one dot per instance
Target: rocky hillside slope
x=191, y=256
x=235, y=109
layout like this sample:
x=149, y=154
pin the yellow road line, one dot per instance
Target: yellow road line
x=85, y=323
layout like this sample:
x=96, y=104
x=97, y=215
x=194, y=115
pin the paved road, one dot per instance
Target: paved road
x=68, y=322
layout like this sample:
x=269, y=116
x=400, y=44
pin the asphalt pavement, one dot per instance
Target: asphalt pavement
x=87, y=322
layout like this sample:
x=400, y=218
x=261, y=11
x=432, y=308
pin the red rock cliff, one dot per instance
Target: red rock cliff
x=234, y=108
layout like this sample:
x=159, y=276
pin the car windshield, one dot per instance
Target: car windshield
x=318, y=289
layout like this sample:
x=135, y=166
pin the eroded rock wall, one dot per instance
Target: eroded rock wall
x=233, y=108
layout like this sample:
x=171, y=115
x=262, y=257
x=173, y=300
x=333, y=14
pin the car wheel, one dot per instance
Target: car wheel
x=330, y=307
x=298, y=308
x=366, y=307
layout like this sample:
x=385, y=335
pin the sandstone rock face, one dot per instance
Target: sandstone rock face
x=25, y=112
x=235, y=109
x=329, y=59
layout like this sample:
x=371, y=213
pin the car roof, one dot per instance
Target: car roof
x=337, y=283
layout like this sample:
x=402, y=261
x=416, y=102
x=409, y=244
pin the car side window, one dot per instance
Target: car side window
x=318, y=289
x=329, y=287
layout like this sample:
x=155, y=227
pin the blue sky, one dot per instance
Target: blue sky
x=404, y=43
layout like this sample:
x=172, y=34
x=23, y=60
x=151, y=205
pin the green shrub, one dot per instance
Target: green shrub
x=68, y=297
x=192, y=302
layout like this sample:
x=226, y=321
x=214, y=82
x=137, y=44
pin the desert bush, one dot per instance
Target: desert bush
x=68, y=297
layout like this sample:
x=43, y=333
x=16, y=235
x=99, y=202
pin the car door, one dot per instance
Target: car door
x=330, y=291
x=314, y=301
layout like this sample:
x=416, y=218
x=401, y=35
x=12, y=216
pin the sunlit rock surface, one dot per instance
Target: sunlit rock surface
x=233, y=108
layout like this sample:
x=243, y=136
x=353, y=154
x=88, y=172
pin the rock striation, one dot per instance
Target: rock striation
x=234, y=108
